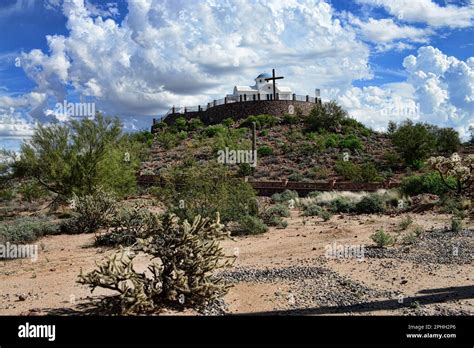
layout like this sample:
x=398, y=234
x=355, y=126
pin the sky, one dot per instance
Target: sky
x=381, y=60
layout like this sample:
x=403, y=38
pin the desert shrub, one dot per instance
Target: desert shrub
x=264, y=151
x=280, y=210
x=348, y=170
x=26, y=229
x=424, y=183
x=213, y=130
x=405, y=223
x=409, y=238
x=290, y=119
x=369, y=173
x=370, y=204
x=205, y=190
x=351, y=142
x=456, y=224
x=285, y=196
x=261, y=121
x=341, y=205
x=313, y=209
x=392, y=159
x=91, y=212
x=325, y=117
x=296, y=177
x=276, y=221
x=331, y=140
x=245, y=169
x=194, y=124
x=7, y=194
x=382, y=239
x=31, y=190
x=127, y=226
x=167, y=140
x=182, y=272
x=249, y=224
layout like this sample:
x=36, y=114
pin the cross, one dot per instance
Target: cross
x=273, y=78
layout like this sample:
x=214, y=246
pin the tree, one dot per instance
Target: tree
x=66, y=159
x=447, y=140
x=414, y=142
x=326, y=116
x=391, y=128
x=461, y=169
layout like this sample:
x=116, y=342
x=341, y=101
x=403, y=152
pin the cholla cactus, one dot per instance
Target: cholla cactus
x=184, y=257
x=461, y=169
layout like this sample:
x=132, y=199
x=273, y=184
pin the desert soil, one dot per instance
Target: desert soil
x=284, y=271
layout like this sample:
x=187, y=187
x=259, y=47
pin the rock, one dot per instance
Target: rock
x=21, y=297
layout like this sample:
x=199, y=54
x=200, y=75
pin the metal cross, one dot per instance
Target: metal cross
x=273, y=78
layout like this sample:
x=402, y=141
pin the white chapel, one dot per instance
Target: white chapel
x=262, y=87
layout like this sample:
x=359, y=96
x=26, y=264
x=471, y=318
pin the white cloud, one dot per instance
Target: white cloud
x=427, y=11
x=166, y=53
x=439, y=90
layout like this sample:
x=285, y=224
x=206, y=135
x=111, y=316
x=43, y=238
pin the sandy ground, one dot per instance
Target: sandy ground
x=48, y=286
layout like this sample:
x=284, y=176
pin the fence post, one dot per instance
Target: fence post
x=277, y=96
x=199, y=108
x=240, y=97
x=225, y=100
x=294, y=96
x=307, y=98
x=258, y=96
x=173, y=109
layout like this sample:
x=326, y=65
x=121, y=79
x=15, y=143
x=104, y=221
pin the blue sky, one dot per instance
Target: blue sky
x=380, y=59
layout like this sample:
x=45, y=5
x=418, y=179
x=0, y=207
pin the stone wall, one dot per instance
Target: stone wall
x=244, y=109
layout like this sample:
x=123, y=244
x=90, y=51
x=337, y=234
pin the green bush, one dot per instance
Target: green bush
x=331, y=140
x=341, y=205
x=280, y=210
x=325, y=117
x=351, y=142
x=245, y=169
x=370, y=204
x=250, y=225
x=296, y=177
x=313, y=209
x=91, y=212
x=424, y=183
x=285, y=196
x=264, y=151
x=290, y=119
x=31, y=191
x=127, y=226
x=214, y=130
x=416, y=142
x=349, y=171
x=194, y=124
x=23, y=230
x=167, y=140
x=382, y=239
x=456, y=224
x=181, y=274
x=261, y=121
x=205, y=190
